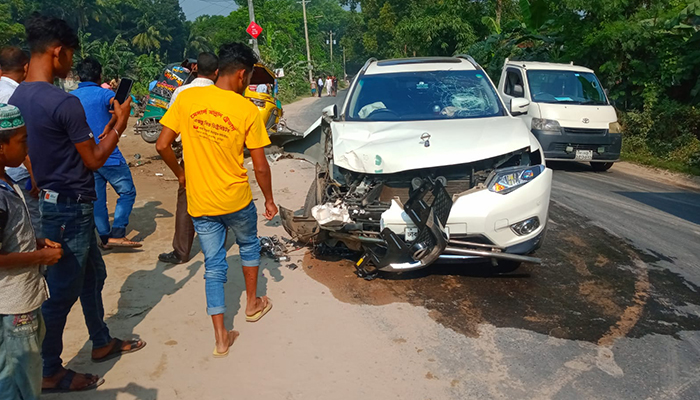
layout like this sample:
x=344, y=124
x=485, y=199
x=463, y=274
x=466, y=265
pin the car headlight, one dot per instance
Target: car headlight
x=508, y=179
x=548, y=125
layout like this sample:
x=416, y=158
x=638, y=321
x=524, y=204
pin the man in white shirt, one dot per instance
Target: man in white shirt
x=205, y=77
x=320, y=86
x=328, y=85
x=208, y=70
x=14, y=63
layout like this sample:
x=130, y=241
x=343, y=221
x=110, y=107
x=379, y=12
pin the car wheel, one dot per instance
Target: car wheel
x=601, y=166
x=506, y=266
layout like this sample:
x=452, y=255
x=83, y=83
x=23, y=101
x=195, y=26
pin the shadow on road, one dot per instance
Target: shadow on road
x=140, y=292
x=133, y=391
x=682, y=205
x=143, y=219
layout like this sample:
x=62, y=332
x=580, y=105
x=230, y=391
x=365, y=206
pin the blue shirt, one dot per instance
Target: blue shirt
x=55, y=124
x=95, y=101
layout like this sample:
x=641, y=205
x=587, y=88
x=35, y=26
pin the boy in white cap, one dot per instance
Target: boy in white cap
x=22, y=285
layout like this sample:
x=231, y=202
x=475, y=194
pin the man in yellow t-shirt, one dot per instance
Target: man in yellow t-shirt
x=216, y=123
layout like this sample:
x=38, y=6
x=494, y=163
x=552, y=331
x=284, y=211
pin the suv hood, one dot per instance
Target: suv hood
x=390, y=147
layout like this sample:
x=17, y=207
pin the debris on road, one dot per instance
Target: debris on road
x=292, y=266
x=273, y=248
x=159, y=174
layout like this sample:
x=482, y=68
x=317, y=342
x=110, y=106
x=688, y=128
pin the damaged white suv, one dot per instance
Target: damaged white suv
x=424, y=164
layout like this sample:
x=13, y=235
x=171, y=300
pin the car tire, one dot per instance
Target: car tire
x=601, y=166
x=311, y=198
x=506, y=266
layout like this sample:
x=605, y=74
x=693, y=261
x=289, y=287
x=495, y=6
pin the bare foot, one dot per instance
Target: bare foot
x=122, y=242
x=223, y=346
x=117, y=347
x=79, y=381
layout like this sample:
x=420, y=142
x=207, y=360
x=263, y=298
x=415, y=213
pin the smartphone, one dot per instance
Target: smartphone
x=123, y=90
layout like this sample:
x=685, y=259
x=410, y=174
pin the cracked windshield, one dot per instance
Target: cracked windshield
x=427, y=95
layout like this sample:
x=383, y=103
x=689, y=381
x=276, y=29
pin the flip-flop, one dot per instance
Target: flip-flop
x=65, y=382
x=125, y=243
x=216, y=354
x=117, y=351
x=256, y=317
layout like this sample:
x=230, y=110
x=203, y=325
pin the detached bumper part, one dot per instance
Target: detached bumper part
x=397, y=255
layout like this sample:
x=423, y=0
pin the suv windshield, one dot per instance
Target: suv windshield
x=425, y=95
x=568, y=87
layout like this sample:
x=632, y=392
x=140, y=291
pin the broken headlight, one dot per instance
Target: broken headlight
x=258, y=102
x=508, y=179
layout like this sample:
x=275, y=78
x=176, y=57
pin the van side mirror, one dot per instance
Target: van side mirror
x=518, y=91
x=519, y=106
x=330, y=111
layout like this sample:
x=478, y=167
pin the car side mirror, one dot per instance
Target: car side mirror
x=330, y=111
x=519, y=106
x=518, y=91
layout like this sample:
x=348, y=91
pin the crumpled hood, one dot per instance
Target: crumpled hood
x=389, y=147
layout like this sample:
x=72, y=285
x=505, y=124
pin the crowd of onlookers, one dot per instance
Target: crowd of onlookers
x=58, y=152
x=330, y=84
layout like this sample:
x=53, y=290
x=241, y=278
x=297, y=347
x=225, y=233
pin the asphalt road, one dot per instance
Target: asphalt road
x=614, y=311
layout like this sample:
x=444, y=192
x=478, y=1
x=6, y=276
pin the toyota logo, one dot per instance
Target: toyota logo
x=585, y=120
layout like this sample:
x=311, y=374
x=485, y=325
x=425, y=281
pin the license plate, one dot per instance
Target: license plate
x=584, y=155
x=410, y=234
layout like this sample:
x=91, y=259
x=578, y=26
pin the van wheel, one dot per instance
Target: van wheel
x=506, y=266
x=601, y=166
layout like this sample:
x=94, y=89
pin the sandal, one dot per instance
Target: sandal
x=124, y=242
x=117, y=351
x=256, y=317
x=64, y=384
x=233, y=335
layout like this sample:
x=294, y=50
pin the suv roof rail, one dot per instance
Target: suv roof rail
x=470, y=59
x=364, y=67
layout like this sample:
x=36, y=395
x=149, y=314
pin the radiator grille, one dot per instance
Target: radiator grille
x=585, y=131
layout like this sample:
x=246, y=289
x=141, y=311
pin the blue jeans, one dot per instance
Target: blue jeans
x=20, y=356
x=212, y=236
x=119, y=176
x=80, y=273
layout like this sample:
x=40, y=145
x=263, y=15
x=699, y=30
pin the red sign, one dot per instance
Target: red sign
x=254, y=29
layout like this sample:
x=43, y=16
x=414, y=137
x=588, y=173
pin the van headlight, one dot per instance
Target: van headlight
x=508, y=179
x=547, y=125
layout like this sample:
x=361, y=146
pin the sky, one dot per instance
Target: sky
x=195, y=8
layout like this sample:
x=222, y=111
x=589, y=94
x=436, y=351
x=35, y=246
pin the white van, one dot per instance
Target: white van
x=569, y=111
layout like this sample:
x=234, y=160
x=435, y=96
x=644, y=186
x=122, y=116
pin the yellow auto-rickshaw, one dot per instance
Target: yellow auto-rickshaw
x=261, y=92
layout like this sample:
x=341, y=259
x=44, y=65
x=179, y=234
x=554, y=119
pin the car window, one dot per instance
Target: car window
x=569, y=87
x=425, y=95
x=513, y=77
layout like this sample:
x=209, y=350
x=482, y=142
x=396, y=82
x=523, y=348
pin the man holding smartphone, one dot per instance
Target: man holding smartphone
x=64, y=156
x=97, y=102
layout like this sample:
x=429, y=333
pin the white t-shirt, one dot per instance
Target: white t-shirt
x=320, y=82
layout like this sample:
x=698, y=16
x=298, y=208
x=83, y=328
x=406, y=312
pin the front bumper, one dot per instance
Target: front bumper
x=562, y=146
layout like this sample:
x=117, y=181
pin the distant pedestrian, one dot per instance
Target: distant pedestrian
x=14, y=63
x=216, y=124
x=64, y=152
x=22, y=285
x=313, y=88
x=208, y=65
x=335, y=86
x=96, y=102
x=328, y=85
x=320, y=86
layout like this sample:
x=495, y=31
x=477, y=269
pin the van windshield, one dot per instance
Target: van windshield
x=569, y=87
x=424, y=95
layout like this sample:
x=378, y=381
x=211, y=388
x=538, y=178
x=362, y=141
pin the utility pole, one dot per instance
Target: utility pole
x=331, y=41
x=251, y=14
x=306, y=33
x=345, y=74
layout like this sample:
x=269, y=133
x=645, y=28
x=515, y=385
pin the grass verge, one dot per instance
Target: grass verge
x=656, y=162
